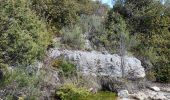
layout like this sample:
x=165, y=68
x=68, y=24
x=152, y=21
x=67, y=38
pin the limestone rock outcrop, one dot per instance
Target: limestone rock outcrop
x=101, y=64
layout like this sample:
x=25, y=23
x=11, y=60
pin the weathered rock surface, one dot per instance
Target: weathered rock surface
x=147, y=94
x=155, y=88
x=123, y=94
x=125, y=99
x=139, y=96
x=99, y=64
x=94, y=63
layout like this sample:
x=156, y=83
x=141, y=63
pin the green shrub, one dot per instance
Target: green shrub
x=71, y=92
x=61, y=13
x=154, y=44
x=73, y=36
x=19, y=80
x=66, y=68
x=116, y=35
x=149, y=21
x=150, y=75
x=24, y=36
x=91, y=23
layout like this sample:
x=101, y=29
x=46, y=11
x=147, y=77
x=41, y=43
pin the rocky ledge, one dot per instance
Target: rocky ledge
x=102, y=64
x=149, y=93
x=99, y=64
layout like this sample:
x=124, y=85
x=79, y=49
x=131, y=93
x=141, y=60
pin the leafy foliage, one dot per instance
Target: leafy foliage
x=71, y=92
x=73, y=36
x=159, y=41
x=61, y=13
x=91, y=24
x=66, y=68
x=116, y=30
x=19, y=81
x=93, y=28
x=23, y=36
x=149, y=20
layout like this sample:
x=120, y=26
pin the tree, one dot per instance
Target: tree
x=159, y=41
x=62, y=13
x=116, y=29
x=117, y=37
x=149, y=20
x=23, y=36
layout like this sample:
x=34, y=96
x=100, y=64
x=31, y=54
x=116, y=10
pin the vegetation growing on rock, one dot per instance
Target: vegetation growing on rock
x=149, y=21
x=66, y=68
x=71, y=92
x=30, y=28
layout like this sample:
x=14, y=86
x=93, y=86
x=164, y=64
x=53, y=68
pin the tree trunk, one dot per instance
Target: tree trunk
x=122, y=53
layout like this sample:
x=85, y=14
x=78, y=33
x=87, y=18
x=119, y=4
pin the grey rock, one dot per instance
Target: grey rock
x=166, y=89
x=155, y=88
x=87, y=45
x=139, y=96
x=93, y=90
x=157, y=96
x=123, y=94
x=99, y=64
x=125, y=99
x=147, y=94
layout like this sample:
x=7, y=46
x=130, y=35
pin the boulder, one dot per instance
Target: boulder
x=165, y=89
x=123, y=94
x=93, y=90
x=139, y=96
x=125, y=99
x=87, y=45
x=153, y=95
x=158, y=96
x=99, y=64
x=147, y=94
x=155, y=88
x=105, y=68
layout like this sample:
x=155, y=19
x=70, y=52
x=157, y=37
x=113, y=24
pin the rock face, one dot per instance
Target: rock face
x=96, y=64
x=155, y=88
x=99, y=64
x=147, y=94
x=123, y=94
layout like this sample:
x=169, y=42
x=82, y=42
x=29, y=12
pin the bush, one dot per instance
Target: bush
x=24, y=37
x=66, y=68
x=91, y=23
x=116, y=35
x=19, y=81
x=71, y=92
x=61, y=13
x=149, y=21
x=154, y=45
x=150, y=75
x=73, y=36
